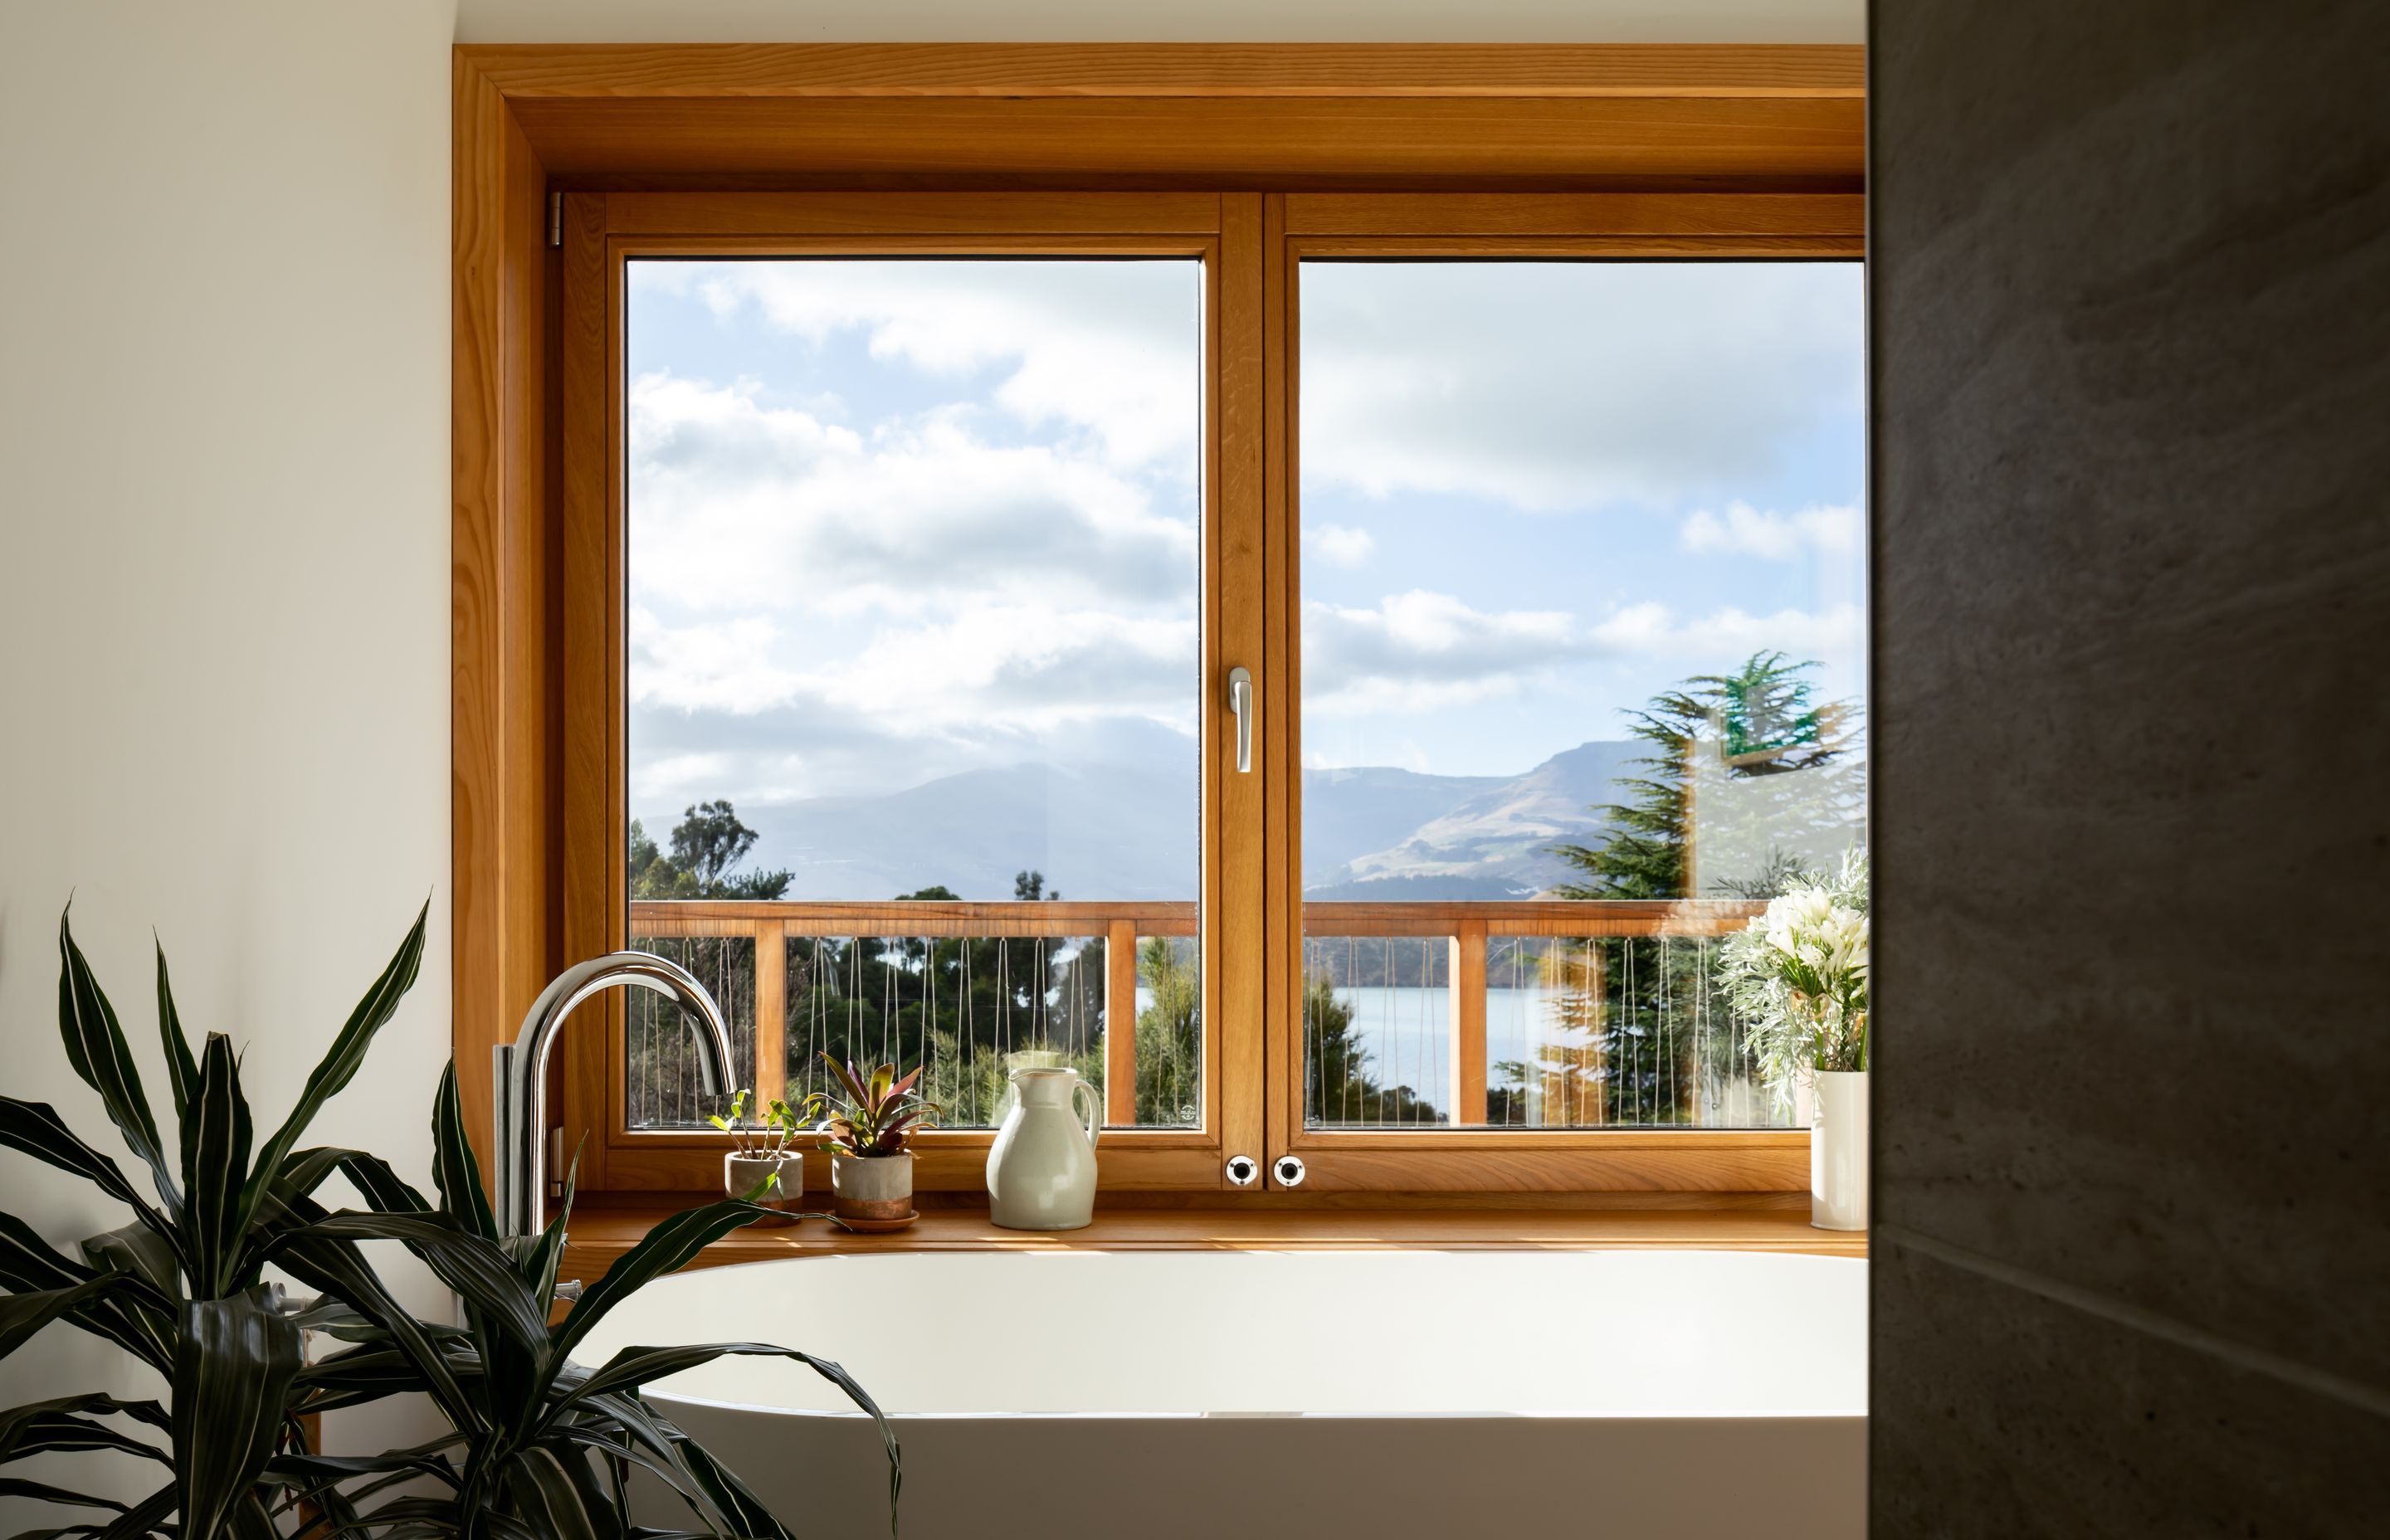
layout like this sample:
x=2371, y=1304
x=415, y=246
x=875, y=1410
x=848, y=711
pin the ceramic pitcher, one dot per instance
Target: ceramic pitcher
x=1041, y=1173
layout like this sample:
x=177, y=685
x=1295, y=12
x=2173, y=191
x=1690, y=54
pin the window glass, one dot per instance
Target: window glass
x=1582, y=583
x=914, y=582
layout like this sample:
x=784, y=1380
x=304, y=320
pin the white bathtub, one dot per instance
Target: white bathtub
x=1261, y=1394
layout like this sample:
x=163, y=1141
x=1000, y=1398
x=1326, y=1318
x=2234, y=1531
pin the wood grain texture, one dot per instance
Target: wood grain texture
x=1216, y=143
x=876, y=214
x=1447, y=1165
x=1111, y=69
x=594, y=877
x=1120, y=1023
x=1238, y=920
x=1583, y=215
x=500, y=775
x=1466, y=1074
x=600, y=1235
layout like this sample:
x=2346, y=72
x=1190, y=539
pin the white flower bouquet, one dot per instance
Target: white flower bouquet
x=1798, y=974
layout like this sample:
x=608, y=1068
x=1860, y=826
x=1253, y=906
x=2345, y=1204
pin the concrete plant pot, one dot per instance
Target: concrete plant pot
x=742, y=1174
x=873, y=1189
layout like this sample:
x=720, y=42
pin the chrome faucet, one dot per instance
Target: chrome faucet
x=521, y=1080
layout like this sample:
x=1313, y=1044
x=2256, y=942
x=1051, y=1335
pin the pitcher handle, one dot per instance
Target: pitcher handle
x=1093, y=1118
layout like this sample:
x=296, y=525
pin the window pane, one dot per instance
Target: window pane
x=1582, y=586
x=914, y=586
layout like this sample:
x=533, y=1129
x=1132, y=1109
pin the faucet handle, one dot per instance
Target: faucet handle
x=569, y=1289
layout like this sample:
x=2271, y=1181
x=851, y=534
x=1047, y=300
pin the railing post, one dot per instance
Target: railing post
x=1120, y=1024
x=771, y=1012
x=1468, y=981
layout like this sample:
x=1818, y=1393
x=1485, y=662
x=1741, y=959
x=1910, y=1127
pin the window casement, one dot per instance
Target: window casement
x=1427, y=994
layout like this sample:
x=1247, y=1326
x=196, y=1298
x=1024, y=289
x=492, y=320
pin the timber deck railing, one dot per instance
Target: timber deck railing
x=1611, y=1004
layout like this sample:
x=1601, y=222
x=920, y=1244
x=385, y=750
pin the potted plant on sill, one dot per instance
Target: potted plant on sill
x=871, y=1125
x=1798, y=974
x=761, y=1167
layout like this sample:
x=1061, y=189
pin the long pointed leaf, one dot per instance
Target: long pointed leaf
x=454, y=1169
x=337, y=1268
x=53, y=1432
x=16, y=1422
x=339, y=1066
x=728, y=1491
x=182, y=1072
x=35, y=1128
x=95, y=1047
x=215, y=1166
x=23, y=1315
x=16, y=1487
x=556, y=1506
x=633, y=1366
x=28, y=1262
x=477, y=1269
x=138, y=1250
x=663, y=1250
x=232, y=1369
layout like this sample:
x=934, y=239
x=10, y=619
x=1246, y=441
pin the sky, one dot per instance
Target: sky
x=895, y=519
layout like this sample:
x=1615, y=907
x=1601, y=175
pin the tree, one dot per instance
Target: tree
x=1028, y=887
x=709, y=840
x=1629, y=1002
x=1341, y=1090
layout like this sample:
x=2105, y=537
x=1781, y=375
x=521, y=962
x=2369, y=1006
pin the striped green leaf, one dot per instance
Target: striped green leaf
x=37, y=1129
x=182, y=1072
x=234, y=1361
x=665, y=1248
x=215, y=1165
x=339, y=1065
x=95, y=1047
x=454, y=1169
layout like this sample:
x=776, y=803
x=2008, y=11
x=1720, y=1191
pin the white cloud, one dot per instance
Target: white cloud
x=1728, y=636
x=1745, y=531
x=1339, y=545
x=1571, y=385
x=735, y=504
x=1112, y=348
x=1422, y=648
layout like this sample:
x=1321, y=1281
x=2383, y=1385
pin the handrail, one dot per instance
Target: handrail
x=1466, y=926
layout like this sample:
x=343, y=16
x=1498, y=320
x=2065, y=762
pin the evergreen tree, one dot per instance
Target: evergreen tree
x=1633, y=1001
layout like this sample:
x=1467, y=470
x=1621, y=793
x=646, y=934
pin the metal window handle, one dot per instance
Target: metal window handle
x=1240, y=700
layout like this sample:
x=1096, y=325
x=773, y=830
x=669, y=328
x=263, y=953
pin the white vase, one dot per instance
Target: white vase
x=1041, y=1170
x=743, y=1174
x=876, y=1187
x=1837, y=1152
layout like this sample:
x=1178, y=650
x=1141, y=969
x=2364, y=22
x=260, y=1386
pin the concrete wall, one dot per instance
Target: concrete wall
x=2131, y=372
x=223, y=560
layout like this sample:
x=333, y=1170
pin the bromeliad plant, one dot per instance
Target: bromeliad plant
x=870, y=1117
x=537, y=1444
x=1798, y=974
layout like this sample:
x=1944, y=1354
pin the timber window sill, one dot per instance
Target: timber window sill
x=600, y=1234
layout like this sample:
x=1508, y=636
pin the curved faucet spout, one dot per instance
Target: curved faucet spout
x=522, y=1081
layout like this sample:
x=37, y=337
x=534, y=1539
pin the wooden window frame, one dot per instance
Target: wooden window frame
x=1327, y=150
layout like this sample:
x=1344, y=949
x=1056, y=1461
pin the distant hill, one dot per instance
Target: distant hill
x=1492, y=843
x=1129, y=832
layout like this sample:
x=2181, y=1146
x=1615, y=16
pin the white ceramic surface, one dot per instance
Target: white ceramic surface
x=1297, y=1394
x=1837, y=1152
x=1041, y=1170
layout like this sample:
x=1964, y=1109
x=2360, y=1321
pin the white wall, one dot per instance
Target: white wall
x=223, y=556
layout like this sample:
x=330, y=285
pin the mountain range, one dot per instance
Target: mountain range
x=1129, y=832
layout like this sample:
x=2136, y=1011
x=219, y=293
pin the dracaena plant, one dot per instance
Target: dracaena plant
x=873, y=1115
x=537, y=1444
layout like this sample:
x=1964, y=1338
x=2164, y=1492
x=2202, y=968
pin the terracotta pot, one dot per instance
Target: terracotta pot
x=876, y=1187
x=742, y=1174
